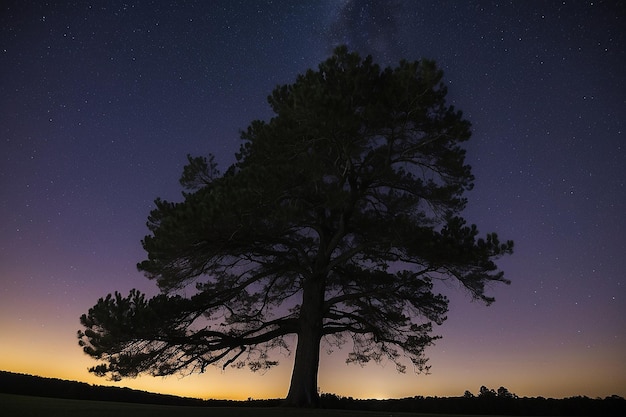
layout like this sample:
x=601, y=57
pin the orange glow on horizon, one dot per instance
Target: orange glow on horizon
x=535, y=374
x=42, y=341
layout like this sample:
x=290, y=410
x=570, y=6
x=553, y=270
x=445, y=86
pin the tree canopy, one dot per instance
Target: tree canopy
x=337, y=218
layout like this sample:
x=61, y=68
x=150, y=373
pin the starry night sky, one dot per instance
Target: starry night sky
x=101, y=101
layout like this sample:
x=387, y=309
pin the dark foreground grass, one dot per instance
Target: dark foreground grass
x=26, y=406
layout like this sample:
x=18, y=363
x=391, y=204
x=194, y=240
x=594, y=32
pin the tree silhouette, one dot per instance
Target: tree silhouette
x=337, y=219
x=485, y=392
x=468, y=394
x=505, y=393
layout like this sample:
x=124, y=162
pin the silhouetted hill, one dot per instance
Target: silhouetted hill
x=13, y=383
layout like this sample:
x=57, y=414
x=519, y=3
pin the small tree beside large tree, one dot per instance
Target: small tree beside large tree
x=337, y=218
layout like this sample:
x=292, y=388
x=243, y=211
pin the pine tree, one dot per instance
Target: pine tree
x=333, y=224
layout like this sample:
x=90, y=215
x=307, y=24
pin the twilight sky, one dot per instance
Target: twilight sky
x=100, y=102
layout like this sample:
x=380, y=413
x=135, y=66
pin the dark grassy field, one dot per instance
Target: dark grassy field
x=26, y=406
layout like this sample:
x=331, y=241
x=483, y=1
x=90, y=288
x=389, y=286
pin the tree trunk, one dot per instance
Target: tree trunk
x=303, y=388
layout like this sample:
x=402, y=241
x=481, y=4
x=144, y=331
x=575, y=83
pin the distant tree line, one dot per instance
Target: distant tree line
x=486, y=402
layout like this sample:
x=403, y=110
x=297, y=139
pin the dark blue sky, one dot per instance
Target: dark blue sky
x=101, y=101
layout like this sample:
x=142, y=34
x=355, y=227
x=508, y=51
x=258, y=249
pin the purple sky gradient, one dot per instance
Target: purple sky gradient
x=100, y=102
